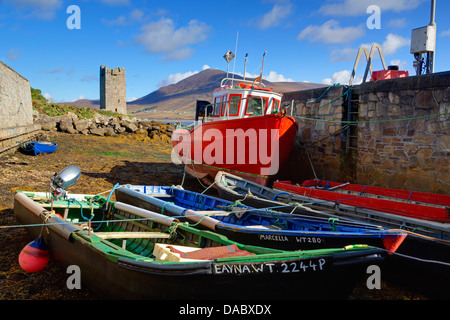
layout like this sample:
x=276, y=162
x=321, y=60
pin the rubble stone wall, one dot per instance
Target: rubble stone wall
x=402, y=134
x=405, y=142
x=16, y=108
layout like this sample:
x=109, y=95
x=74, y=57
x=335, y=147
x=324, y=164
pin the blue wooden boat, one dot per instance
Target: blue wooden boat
x=260, y=227
x=37, y=147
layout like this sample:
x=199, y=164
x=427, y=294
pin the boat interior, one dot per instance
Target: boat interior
x=236, y=214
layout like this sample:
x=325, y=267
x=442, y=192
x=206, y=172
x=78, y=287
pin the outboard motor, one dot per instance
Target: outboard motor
x=64, y=180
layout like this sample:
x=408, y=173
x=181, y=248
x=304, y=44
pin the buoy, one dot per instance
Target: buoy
x=35, y=256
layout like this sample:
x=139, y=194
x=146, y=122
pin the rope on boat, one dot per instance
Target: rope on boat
x=415, y=258
x=372, y=121
x=164, y=205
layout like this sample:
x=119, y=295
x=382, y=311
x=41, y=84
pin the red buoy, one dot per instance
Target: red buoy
x=35, y=256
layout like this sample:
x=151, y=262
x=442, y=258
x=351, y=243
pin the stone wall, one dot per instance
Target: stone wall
x=318, y=150
x=15, y=99
x=16, y=111
x=404, y=144
x=400, y=137
x=113, y=89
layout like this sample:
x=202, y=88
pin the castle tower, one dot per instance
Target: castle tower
x=113, y=91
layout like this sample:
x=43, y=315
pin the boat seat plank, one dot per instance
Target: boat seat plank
x=160, y=195
x=131, y=235
x=214, y=213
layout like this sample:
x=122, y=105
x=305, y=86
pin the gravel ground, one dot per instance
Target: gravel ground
x=104, y=161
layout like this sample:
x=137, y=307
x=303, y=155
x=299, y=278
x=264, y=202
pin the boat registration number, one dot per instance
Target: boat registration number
x=287, y=266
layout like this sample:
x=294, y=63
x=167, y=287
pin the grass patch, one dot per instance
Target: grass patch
x=52, y=109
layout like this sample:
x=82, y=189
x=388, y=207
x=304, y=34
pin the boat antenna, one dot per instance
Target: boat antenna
x=235, y=50
x=262, y=67
x=245, y=64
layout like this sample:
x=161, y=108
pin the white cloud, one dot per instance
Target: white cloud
x=275, y=16
x=129, y=99
x=41, y=9
x=205, y=67
x=394, y=42
x=176, y=77
x=273, y=76
x=402, y=65
x=359, y=7
x=389, y=46
x=331, y=32
x=162, y=37
x=276, y=77
x=342, y=77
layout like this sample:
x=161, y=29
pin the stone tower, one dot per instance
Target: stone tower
x=113, y=93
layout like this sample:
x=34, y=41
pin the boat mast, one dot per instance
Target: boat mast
x=262, y=67
x=245, y=64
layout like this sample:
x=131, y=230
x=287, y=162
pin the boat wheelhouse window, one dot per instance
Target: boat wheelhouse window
x=217, y=106
x=233, y=105
x=276, y=105
x=254, y=106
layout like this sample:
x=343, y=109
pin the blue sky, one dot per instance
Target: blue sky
x=160, y=42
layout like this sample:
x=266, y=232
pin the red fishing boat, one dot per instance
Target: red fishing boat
x=242, y=132
x=420, y=205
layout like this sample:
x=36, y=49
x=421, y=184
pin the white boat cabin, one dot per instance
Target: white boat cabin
x=239, y=99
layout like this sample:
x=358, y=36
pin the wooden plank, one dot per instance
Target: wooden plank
x=160, y=195
x=129, y=235
x=214, y=213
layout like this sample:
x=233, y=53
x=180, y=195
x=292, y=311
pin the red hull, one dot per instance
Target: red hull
x=366, y=199
x=253, y=148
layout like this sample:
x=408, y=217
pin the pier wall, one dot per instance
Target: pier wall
x=16, y=110
x=391, y=133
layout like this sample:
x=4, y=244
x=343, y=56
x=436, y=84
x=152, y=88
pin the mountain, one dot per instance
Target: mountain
x=178, y=100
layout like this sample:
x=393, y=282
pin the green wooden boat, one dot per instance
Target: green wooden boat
x=125, y=252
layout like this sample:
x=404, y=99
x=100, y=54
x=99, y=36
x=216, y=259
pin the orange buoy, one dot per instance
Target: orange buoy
x=35, y=256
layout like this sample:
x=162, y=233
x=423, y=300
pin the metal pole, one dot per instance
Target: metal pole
x=262, y=67
x=431, y=55
x=433, y=13
x=245, y=64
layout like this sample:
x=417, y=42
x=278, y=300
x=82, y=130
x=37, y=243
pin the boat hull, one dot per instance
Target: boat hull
x=254, y=148
x=235, y=188
x=365, y=200
x=322, y=276
x=39, y=147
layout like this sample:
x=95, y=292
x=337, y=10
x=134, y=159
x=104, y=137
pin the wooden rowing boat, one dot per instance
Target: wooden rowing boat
x=419, y=205
x=266, y=228
x=127, y=252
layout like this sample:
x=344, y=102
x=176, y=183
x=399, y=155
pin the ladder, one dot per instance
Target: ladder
x=369, y=57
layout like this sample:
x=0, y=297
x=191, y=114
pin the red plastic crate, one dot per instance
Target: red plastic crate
x=388, y=74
